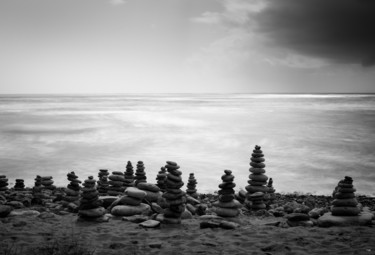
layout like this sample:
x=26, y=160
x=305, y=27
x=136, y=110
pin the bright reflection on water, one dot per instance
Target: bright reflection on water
x=310, y=142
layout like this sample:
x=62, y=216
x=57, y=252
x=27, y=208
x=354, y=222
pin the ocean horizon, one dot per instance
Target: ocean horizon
x=310, y=141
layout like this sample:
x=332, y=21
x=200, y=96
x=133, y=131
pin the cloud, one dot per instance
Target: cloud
x=341, y=31
x=117, y=2
x=334, y=31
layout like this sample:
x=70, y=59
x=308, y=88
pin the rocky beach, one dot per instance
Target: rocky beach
x=43, y=221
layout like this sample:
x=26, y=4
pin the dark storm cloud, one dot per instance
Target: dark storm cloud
x=341, y=31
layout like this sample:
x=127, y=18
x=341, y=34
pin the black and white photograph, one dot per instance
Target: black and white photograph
x=187, y=127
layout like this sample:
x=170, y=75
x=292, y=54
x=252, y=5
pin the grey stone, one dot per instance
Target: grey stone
x=135, y=218
x=150, y=224
x=5, y=210
x=328, y=220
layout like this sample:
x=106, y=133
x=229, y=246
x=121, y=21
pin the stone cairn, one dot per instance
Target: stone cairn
x=160, y=178
x=174, y=196
x=152, y=191
x=191, y=186
x=129, y=175
x=73, y=188
x=90, y=206
x=47, y=183
x=257, y=180
x=227, y=206
x=270, y=196
x=130, y=204
x=19, y=185
x=345, y=203
x=103, y=182
x=3, y=183
x=140, y=174
x=116, y=183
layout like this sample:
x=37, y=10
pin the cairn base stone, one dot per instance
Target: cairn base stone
x=329, y=220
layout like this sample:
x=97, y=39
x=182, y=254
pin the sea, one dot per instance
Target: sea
x=310, y=141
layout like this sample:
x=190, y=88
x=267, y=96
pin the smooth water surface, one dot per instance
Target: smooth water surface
x=310, y=142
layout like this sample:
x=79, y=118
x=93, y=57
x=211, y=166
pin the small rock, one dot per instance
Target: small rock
x=135, y=218
x=209, y=224
x=316, y=213
x=186, y=215
x=298, y=217
x=16, y=204
x=5, y=210
x=19, y=223
x=24, y=212
x=150, y=224
x=228, y=225
x=155, y=245
x=306, y=223
x=47, y=215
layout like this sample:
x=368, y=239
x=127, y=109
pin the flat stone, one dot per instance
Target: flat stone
x=298, y=217
x=155, y=245
x=150, y=224
x=135, y=218
x=210, y=224
x=328, y=220
x=24, y=212
x=228, y=225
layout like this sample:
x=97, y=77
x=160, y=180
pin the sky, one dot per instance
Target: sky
x=187, y=46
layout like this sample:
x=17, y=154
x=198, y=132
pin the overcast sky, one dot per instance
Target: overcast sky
x=237, y=46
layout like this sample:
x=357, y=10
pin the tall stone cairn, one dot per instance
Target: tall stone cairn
x=140, y=174
x=116, y=183
x=191, y=186
x=102, y=183
x=129, y=175
x=3, y=183
x=160, y=178
x=73, y=188
x=227, y=206
x=345, y=203
x=174, y=196
x=19, y=185
x=257, y=179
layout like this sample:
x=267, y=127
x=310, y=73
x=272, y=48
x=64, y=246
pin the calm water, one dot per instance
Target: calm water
x=310, y=142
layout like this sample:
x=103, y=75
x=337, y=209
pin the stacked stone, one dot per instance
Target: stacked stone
x=270, y=196
x=191, y=186
x=152, y=191
x=227, y=206
x=90, y=205
x=129, y=175
x=73, y=188
x=174, y=196
x=257, y=179
x=3, y=183
x=47, y=182
x=103, y=182
x=116, y=183
x=345, y=203
x=160, y=178
x=19, y=185
x=256, y=201
x=38, y=182
x=130, y=204
x=140, y=174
